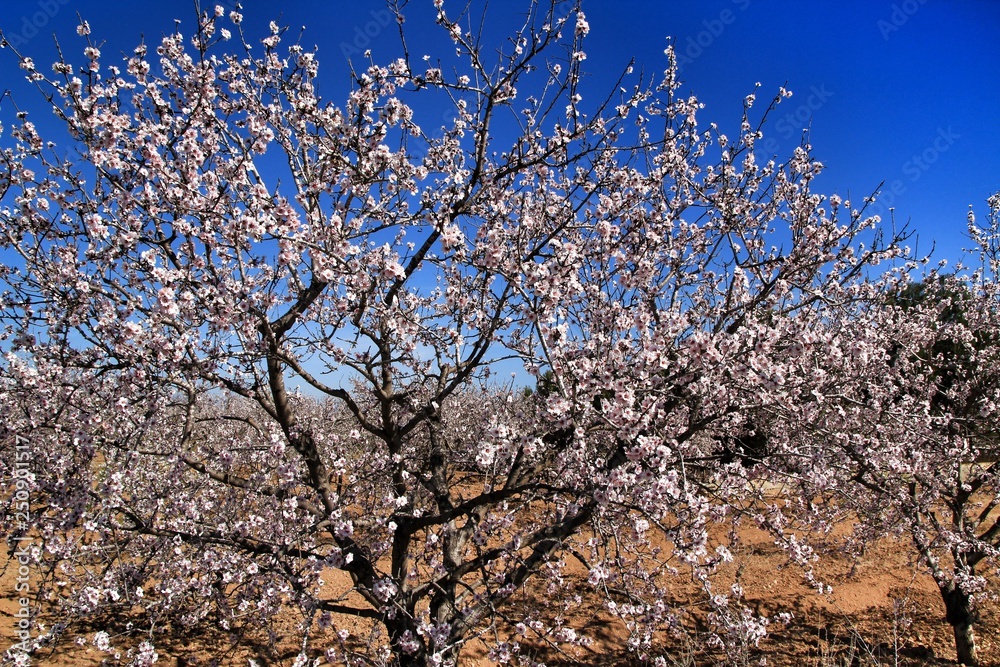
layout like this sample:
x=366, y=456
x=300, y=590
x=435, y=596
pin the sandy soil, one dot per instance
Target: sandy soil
x=883, y=610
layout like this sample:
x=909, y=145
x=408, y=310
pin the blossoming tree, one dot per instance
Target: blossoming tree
x=902, y=426
x=208, y=233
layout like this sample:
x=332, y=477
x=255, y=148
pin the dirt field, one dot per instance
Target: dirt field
x=883, y=610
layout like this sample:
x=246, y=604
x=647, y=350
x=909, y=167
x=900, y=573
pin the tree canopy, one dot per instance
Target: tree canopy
x=209, y=232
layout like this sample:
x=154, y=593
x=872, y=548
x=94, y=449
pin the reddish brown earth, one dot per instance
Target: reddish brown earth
x=883, y=610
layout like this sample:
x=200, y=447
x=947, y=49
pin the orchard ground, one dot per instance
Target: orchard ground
x=884, y=609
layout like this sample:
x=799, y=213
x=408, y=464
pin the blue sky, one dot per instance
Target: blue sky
x=904, y=92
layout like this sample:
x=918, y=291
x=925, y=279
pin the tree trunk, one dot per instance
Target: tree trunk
x=965, y=645
x=961, y=617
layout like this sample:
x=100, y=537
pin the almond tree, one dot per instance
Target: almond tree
x=902, y=426
x=208, y=233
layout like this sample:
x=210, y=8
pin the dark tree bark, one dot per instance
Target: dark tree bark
x=961, y=615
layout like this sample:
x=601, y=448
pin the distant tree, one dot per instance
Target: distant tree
x=905, y=429
x=210, y=232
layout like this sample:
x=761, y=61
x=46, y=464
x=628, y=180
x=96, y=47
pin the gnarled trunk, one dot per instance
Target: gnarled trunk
x=961, y=616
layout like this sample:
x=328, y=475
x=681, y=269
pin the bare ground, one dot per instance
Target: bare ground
x=884, y=610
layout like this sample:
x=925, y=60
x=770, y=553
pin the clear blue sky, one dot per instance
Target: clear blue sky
x=906, y=91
